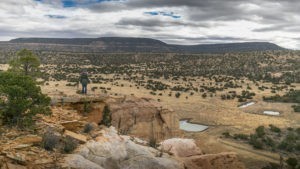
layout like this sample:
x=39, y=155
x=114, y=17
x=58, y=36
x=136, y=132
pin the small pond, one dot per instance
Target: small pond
x=187, y=126
x=272, y=113
x=246, y=104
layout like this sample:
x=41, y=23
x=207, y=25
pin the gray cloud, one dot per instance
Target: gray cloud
x=279, y=27
x=158, y=23
x=201, y=21
x=210, y=9
x=61, y=34
x=270, y=11
x=209, y=39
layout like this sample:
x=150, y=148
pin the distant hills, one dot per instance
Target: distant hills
x=128, y=44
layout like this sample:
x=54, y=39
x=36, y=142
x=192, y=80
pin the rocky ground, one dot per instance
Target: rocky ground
x=103, y=147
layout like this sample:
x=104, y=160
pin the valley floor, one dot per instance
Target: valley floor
x=220, y=115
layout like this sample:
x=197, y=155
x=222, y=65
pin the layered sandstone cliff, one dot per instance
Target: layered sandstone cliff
x=144, y=118
x=140, y=117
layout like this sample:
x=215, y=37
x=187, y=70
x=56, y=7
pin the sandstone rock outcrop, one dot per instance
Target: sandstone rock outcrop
x=140, y=117
x=111, y=151
x=187, y=152
x=143, y=118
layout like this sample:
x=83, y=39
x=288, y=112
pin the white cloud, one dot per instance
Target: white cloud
x=199, y=22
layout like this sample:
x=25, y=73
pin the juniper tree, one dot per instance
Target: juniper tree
x=20, y=99
x=26, y=63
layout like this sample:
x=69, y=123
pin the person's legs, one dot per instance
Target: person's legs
x=85, y=89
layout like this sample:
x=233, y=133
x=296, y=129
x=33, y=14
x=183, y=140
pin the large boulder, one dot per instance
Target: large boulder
x=181, y=147
x=79, y=162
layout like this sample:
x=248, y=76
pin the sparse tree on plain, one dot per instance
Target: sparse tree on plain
x=26, y=63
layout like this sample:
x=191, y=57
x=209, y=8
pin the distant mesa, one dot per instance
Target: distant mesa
x=90, y=41
x=129, y=44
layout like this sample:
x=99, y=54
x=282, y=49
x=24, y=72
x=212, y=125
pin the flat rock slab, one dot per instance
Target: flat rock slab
x=81, y=138
x=43, y=161
x=72, y=125
x=29, y=139
x=18, y=157
x=78, y=99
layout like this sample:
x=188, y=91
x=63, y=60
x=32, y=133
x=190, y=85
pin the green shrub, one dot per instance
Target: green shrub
x=274, y=128
x=70, y=144
x=290, y=147
x=291, y=137
x=297, y=146
x=298, y=130
x=106, y=120
x=255, y=141
x=292, y=162
x=88, y=128
x=177, y=95
x=260, y=131
x=296, y=108
x=50, y=140
x=283, y=145
x=21, y=99
x=270, y=142
x=241, y=136
x=241, y=100
x=153, y=142
x=226, y=134
x=86, y=107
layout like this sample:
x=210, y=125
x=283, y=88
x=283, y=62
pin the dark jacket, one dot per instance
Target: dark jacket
x=84, y=80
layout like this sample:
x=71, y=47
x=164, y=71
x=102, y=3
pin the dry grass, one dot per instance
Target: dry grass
x=209, y=111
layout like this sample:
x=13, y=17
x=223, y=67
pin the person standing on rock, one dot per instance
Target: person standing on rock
x=84, y=80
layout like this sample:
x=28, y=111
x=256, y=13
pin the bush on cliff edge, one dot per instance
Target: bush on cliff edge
x=21, y=99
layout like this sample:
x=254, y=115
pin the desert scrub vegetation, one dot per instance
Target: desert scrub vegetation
x=232, y=67
x=52, y=141
x=245, y=95
x=106, y=120
x=21, y=99
x=20, y=96
x=88, y=128
x=272, y=138
x=69, y=144
x=290, y=97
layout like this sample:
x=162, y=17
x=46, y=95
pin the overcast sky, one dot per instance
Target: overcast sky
x=172, y=21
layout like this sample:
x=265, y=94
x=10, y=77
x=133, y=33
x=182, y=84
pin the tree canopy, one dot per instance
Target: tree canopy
x=20, y=98
x=26, y=63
